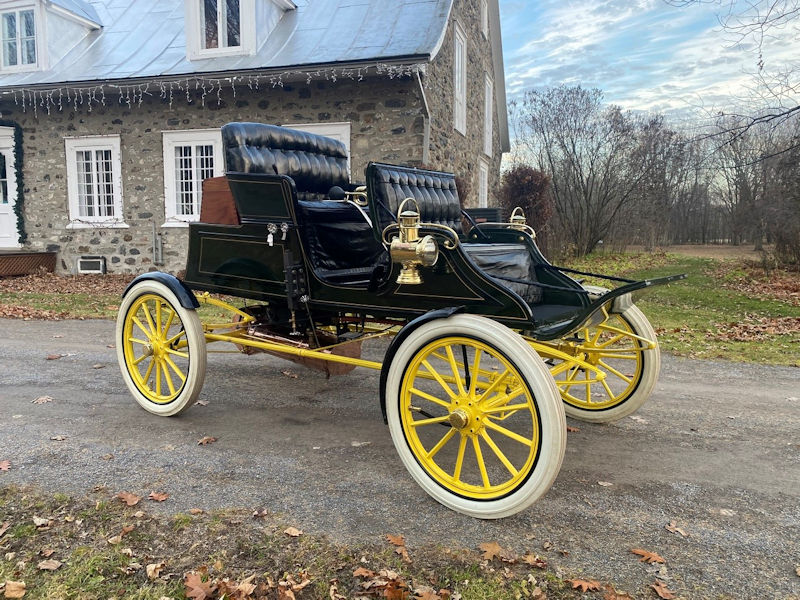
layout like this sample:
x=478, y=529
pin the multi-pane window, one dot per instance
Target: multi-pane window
x=485, y=18
x=94, y=182
x=193, y=163
x=18, y=38
x=483, y=184
x=460, y=81
x=488, y=104
x=221, y=22
x=189, y=158
x=3, y=179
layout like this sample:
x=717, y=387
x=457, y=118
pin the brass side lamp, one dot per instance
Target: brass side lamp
x=518, y=221
x=408, y=249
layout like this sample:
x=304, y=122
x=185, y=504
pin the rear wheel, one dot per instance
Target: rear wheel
x=624, y=347
x=475, y=416
x=160, y=348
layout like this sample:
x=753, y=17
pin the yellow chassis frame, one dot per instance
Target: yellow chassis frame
x=235, y=332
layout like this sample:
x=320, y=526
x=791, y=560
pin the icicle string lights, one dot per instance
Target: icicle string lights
x=130, y=95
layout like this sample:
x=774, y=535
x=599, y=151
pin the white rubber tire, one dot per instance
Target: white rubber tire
x=195, y=375
x=552, y=423
x=635, y=398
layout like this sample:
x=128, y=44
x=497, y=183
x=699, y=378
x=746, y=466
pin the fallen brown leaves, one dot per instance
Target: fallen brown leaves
x=205, y=441
x=5, y=525
x=400, y=546
x=755, y=329
x=585, y=585
x=158, y=496
x=293, y=532
x=14, y=589
x=755, y=282
x=661, y=589
x=647, y=556
x=672, y=527
x=42, y=400
x=26, y=313
x=49, y=565
x=50, y=283
x=128, y=498
x=494, y=550
x=5, y=465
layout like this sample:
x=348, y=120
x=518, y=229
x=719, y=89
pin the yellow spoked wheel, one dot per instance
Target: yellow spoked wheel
x=475, y=416
x=160, y=348
x=624, y=347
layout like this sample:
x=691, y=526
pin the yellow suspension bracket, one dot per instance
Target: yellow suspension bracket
x=245, y=319
x=569, y=362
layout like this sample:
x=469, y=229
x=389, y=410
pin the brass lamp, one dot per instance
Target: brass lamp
x=518, y=221
x=408, y=249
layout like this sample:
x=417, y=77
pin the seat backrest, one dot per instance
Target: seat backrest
x=434, y=191
x=315, y=162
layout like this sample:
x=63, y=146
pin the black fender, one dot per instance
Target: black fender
x=182, y=291
x=439, y=313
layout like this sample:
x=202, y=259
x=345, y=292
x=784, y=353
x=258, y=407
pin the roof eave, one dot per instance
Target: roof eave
x=82, y=20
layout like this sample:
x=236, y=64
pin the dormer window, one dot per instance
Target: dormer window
x=220, y=28
x=18, y=39
x=221, y=24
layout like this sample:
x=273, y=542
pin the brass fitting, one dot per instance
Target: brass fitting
x=408, y=249
x=518, y=220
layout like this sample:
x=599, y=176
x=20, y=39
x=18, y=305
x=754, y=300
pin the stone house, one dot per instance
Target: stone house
x=110, y=110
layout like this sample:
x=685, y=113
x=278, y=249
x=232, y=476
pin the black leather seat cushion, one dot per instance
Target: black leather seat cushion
x=434, y=191
x=339, y=240
x=315, y=162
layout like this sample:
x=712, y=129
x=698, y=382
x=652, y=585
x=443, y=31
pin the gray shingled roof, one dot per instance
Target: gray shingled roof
x=146, y=38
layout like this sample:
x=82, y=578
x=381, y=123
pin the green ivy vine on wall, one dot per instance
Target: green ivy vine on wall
x=18, y=160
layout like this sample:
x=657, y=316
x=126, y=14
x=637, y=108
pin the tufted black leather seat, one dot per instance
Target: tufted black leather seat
x=434, y=191
x=315, y=162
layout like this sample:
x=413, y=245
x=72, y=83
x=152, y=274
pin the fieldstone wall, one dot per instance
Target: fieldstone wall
x=450, y=150
x=387, y=124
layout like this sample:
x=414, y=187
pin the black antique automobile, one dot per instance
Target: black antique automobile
x=490, y=344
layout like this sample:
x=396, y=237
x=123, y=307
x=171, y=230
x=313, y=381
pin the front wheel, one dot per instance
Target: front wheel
x=160, y=348
x=475, y=416
x=624, y=347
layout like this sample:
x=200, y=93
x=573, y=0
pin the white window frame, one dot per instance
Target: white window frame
x=459, y=80
x=38, y=32
x=93, y=143
x=485, y=18
x=195, y=34
x=185, y=137
x=336, y=130
x=488, y=115
x=483, y=183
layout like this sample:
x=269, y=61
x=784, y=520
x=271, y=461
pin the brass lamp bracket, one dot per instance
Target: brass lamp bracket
x=359, y=196
x=518, y=221
x=408, y=249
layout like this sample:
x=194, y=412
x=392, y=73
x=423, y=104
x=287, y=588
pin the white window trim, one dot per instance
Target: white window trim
x=460, y=82
x=485, y=18
x=94, y=142
x=483, y=184
x=488, y=115
x=39, y=25
x=173, y=138
x=333, y=129
x=194, y=42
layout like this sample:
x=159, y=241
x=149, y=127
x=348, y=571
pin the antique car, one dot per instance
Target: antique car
x=489, y=344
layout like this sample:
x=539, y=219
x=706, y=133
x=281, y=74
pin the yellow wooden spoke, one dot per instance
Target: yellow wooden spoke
x=506, y=432
x=499, y=453
x=147, y=373
x=460, y=458
x=613, y=340
x=608, y=389
x=495, y=384
x=176, y=353
x=622, y=354
x=429, y=398
x=446, y=438
x=168, y=378
x=139, y=324
x=429, y=421
x=624, y=378
x=504, y=398
x=476, y=369
x=438, y=378
x=137, y=341
x=168, y=324
x=140, y=359
x=149, y=318
x=175, y=368
x=452, y=360
x=172, y=340
x=157, y=329
x=504, y=408
x=157, y=389
x=476, y=444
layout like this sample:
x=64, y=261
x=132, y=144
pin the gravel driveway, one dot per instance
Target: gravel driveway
x=716, y=450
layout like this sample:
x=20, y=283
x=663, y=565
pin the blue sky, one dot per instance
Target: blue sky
x=644, y=54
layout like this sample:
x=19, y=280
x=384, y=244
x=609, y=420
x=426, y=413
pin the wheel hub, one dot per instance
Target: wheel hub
x=459, y=418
